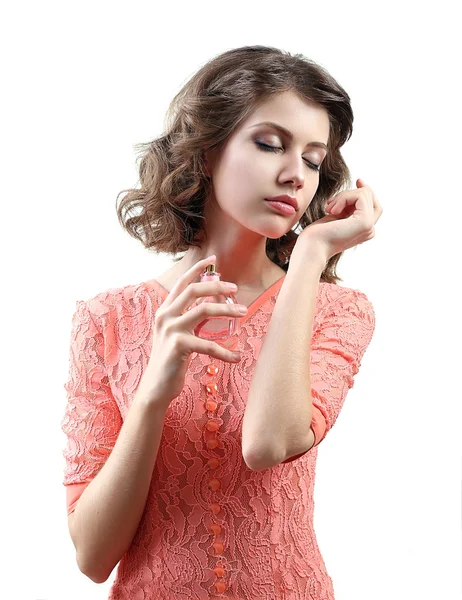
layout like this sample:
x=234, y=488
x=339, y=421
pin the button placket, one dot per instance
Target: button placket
x=212, y=427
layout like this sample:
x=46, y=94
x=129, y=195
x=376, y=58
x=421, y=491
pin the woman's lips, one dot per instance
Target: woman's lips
x=282, y=207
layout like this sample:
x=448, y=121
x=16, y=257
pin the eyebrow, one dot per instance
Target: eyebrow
x=289, y=133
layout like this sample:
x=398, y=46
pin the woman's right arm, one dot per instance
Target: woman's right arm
x=109, y=510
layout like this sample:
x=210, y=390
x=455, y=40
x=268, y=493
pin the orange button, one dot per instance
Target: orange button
x=212, y=444
x=215, y=484
x=215, y=528
x=211, y=405
x=211, y=388
x=218, y=547
x=220, y=586
x=212, y=369
x=215, y=508
x=213, y=463
x=219, y=571
x=212, y=425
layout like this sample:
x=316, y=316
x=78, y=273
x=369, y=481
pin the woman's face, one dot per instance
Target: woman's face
x=246, y=172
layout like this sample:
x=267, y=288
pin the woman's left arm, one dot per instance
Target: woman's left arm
x=279, y=403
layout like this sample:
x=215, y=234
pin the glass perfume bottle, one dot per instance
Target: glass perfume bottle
x=221, y=329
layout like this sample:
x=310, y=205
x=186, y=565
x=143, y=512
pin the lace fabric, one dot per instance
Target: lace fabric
x=211, y=527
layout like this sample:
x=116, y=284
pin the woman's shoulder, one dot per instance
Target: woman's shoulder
x=341, y=299
x=334, y=290
x=123, y=300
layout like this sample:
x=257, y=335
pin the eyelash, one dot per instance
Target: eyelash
x=267, y=148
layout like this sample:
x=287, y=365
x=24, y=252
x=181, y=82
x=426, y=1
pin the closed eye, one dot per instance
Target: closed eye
x=267, y=148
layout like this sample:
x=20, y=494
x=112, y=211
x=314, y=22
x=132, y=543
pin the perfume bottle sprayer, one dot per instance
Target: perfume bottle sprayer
x=221, y=329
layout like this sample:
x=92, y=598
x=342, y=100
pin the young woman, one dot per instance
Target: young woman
x=191, y=465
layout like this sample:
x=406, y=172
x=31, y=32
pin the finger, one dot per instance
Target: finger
x=376, y=205
x=194, y=320
x=360, y=200
x=188, y=278
x=378, y=210
x=211, y=348
x=337, y=198
x=341, y=201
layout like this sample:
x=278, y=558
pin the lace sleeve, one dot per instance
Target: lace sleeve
x=336, y=354
x=92, y=419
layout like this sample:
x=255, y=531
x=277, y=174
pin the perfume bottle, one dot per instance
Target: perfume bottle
x=221, y=329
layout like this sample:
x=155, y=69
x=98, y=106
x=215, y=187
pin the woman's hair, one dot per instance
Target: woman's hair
x=166, y=212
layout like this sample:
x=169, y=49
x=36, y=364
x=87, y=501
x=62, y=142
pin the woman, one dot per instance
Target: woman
x=198, y=475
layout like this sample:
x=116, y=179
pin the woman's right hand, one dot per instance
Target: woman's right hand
x=174, y=339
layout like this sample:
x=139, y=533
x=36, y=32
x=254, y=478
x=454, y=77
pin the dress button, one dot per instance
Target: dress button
x=213, y=463
x=215, y=484
x=211, y=405
x=218, y=547
x=220, y=586
x=212, y=425
x=212, y=369
x=215, y=508
x=219, y=571
x=215, y=528
x=212, y=444
x=211, y=388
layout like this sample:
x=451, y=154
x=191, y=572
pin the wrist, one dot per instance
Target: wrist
x=309, y=255
x=145, y=397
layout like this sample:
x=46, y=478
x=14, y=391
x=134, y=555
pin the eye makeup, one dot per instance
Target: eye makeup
x=268, y=148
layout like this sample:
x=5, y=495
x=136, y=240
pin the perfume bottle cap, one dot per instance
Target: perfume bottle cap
x=210, y=273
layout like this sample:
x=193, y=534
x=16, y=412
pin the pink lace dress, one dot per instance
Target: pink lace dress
x=211, y=527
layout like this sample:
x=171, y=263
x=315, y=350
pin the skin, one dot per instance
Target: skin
x=238, y=220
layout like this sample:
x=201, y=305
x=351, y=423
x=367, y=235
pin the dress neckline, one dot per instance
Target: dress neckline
x=251, y=309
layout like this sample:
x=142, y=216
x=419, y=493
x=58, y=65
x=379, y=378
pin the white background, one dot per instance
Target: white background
x=82, y=84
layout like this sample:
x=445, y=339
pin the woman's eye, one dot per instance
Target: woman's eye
x=267, y=148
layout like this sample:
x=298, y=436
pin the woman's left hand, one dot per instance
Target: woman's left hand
x=351, y=220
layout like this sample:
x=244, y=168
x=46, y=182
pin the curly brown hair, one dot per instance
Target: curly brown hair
x=166, y=212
